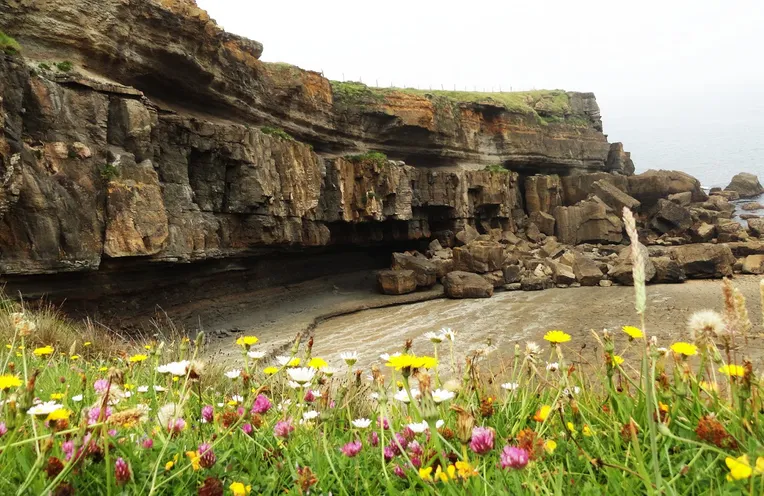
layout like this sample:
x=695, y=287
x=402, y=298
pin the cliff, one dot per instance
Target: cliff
x=169, y=141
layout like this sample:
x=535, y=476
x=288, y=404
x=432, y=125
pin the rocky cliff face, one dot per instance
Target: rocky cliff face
x=152, y=150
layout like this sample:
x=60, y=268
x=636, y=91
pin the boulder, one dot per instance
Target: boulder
x=459, y=284
x=512, y=273
x=651, y=186
x=731, y=231
x=747, y=185
x=749, y=216
x=578, y=187
x=753, y=264
x=703, y=232
x=704, y=260
x=479, y=256
x=756, y=227
x=619, y=161
x=718, y=203
x=533, y=233
x=683, y=199
x=614, y=197
x=551, y=248
x=622, y=271
x=587, y=271
x=467, y=235
x=752, y=206
x=442, y=266
x=544, y=222
x=495, y=278
x=606, y=283
x=727, y=195
x=543, y=193
x=671, y=217
x=536, y=283
x=396, y=282
x=562, y=274
x=667, y=270
x=588, y=220
x=425, y=271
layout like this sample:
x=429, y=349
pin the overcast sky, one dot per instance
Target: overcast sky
x=638, y=57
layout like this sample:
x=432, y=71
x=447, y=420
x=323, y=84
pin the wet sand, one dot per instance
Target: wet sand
x=316, y=308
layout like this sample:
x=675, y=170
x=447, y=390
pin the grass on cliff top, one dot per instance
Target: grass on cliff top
x=8, y=44
x=546, y=105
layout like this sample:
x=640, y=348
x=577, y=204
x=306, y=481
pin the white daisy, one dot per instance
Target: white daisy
x=256, y=355
x=448, y=333
x=439, y=424
x=571, y=391
x=284, y=405
x=434, y=337
x=361, y=423
x=77, y=398
x=141, y=389
x=221, y=405
x=297, y=385
x=419, y=427
x=301, y=375
x=45, y=408
x=350, y=357
x=283, y=360
x=510, y=386
x=233, y=374
x=309, y=415
x=441, y=395
x=159, y=389
x=374, y=396
x=237, y=398
x=174, y=368
x=532, y=349
x=403, y=396
x=553, y=367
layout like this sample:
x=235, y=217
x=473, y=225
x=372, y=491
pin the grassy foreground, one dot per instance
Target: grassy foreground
x=675, y=418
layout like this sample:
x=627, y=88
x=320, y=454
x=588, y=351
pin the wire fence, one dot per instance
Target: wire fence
x=499, y=88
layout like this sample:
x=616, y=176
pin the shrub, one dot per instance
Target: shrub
x=368, y=158
x=43, y=66
x=109, y=172
x=64, y=66
x=496, y=168
x=8, y=44
x=277, y=132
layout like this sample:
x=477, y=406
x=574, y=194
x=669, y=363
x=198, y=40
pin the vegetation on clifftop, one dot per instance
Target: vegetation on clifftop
x=368, y=158
x=277, y=132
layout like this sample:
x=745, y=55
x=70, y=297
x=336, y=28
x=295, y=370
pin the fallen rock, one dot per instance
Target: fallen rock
x=551, y=248
x=495, y=278
x=544, y=222
x=752, y=206
x=536, y=283
x=667, y=271
x=749, y=216
x=619, y=160
x=614, y=197
x=746, y=185
x=479, y=256
x=396, y=282
x=577, y=188
x=425, y=271
x=515, y=286
x=671, y=217
x=753, y=264
x=653, y=185
x=705, y=260
x=730, y=231
x=442, y=266
x=587, y=271
x=605, y=283
x=623, y=270
x=756, y=226
x=728, y=195
x=683, y=199
x=562, y=274
x=589, y=220
x=467, y=235
x=533, y=233
x=459, y=284
x=512, y=273
x=703, y=232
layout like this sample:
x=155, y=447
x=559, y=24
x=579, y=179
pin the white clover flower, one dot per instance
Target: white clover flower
x=309, y=415
x=403, y=396
x=221, y=405
x=233, y=374
x=329, y=371
x=127, y=394
x=141, y=389
x=419, y=427
x=439, y=424
x=510, y=386
x=174, y=368
x=553, y=367
x=361, y=423
x=45, y=408
x=435, y=337
x=301, y=375
x=159, y=389
x=256, y=355
x=284, y=405
x=350, y=357
x=448, y=333
x=441, y=395
x=77, y=398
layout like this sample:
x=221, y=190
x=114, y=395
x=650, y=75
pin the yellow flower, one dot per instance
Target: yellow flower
x=463, y=469
x=441, y=475
x=406, y=361
x=542, y=413
x=709, y=386
x=74, y=357
x=571, y=428
x=294, y=362
x=175, y=379
x=147, y=347
x=239, y=489
x=550, y=446
x=733, y=370
x=168, y=466
x=424, y=473
x=633, y=332
x=56, y=396
x=138, y=358
x=740, y=468
x=8, y=381
x=128, y=387
x=557, y=337
x=686, y=349
x=60, y=414
x=247, y=341
x=103, y=369
x=318, y=363
x=617, y=360
x=44, y=351
x=86, y=343
x=587, y=431
x=270, y=370
x=193, y=457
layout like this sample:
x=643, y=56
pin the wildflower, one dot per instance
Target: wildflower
x=408, y=362
x=208, y=414
x=441, y=395
x=57, y=396
x=121, y=472
x=147, y=443
x=329, y=371
x=193, y=457
x=8, y=381
x=247, y=341
x=212, y=486
x=167, y=413
x=712, y=431
x=44, y=351
x=542, y=413
x=424, y=473
x=532, y=349
x=350, y=357
x=53, y=467
x=550, y=446
x=361, y=423
x=463, y=470
x=705, y=325
x=262, y=404
x=301, y=375
x=247, y=429
x=305, y=479
x=206, y=455
x=137, y=358
x=256, y=355
x=158, y=389
x=512, y=457
x=617, y=360
x=351, y=449
x=686, y=349
x=435, y=337
x=708, y=386
x=283, y=428
x=740, y=468
x=168, y=466
x=403, y=396
x=419, y=427
x=176, y=426
x=236, y=399
x=571, y=391
x=74, y=357
x=270, y=370
x=239, y=489
x=553, y=367
x=174, y=368
x=3, y=429
x=389, y=452
x=732, y=370
x=557, y=337
x=45, y=408
x=233, y=374
x=448, y=333
x=510, y=386
x=59, y=414
x=482, y=440
x=633, y=332
x=310, y=415
x=587, y=431
x=101, y=385
x=317, y=363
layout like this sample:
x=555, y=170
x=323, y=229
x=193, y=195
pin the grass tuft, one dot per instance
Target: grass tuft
x=8, y=44
x=277, y=132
